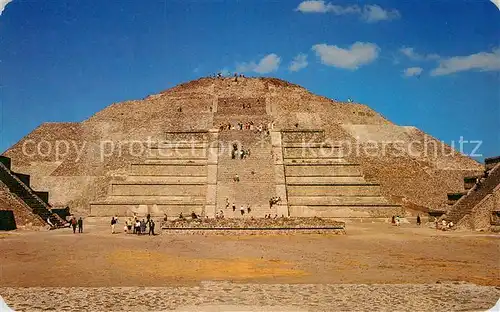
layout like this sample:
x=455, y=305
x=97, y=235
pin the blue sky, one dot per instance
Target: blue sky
x=430, y=64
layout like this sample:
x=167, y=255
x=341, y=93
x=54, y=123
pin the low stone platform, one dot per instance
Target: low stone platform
x=254, y=226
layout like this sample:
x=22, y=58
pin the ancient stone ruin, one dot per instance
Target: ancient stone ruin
x=180, y=151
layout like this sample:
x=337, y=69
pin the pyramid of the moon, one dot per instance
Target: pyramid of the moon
x=180, y=151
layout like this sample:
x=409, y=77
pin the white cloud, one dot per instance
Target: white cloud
x=414, y=56
x=367, y=13
x=358, y=54
x=482, y=61
x=374, y=13
x=322, y=7
x=312, y=7
x=299, y=62
x=413, y=71
x=497, y=3
x=3, y=4
x=267, y=64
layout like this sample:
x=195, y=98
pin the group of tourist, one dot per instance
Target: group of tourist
x=443, y=225
x=396, y=220
x=135, y=225
x=239, y=153
x=248, y=209
x=273, y=201
x=244, y=126
x=76, y=223
x=275, y=216
x=221, y=75
x=140, y=227
x=219, y=215
x=181, y=216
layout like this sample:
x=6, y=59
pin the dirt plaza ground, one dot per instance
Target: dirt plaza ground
x=373, y=260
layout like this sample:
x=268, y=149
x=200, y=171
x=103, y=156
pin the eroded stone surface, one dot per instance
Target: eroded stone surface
x=226, y=296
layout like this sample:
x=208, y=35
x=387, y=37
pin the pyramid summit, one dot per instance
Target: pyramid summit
x=212, y=143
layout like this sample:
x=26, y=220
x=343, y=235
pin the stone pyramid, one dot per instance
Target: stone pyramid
x=172, y=153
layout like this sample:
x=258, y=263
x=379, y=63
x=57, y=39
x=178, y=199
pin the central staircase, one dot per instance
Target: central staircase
x=256, y=183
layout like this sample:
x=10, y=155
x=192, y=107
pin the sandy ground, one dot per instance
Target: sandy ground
x=369, y=254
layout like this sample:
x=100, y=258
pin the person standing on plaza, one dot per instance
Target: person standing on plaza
x=73, y=224
x=114, y=221
x=151, y=227
x=80, y=225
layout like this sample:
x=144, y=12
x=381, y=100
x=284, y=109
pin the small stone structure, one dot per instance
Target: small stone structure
x=479, y=207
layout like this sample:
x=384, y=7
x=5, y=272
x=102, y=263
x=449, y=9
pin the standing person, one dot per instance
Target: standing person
x=129, y=225
x=151, y=227
x=242, y=210
x=80, y=225
x=248, y=209
x=234, y=207
x=418, y=219
x=113, y=223
x=134, y=226
x=73, y=224
x=137, y=227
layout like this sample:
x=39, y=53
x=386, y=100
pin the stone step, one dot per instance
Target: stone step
x=148, y=199
x=162, y=180
x=169, y=169
x=227, y=108
x=235, y=117
x=180, y=144
x=179, y=136
x=345, y=211
x=334, y=190
x=128, y=210
x=299, y=136
x=317, y=161
x=158, y=189
x=325, y=180
x=311, y=152
x=180, y=153
x=322, y=170
x=337, y=200
x=306, y=144
x=253, y=213
x=256, y=167
x=163, y=161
